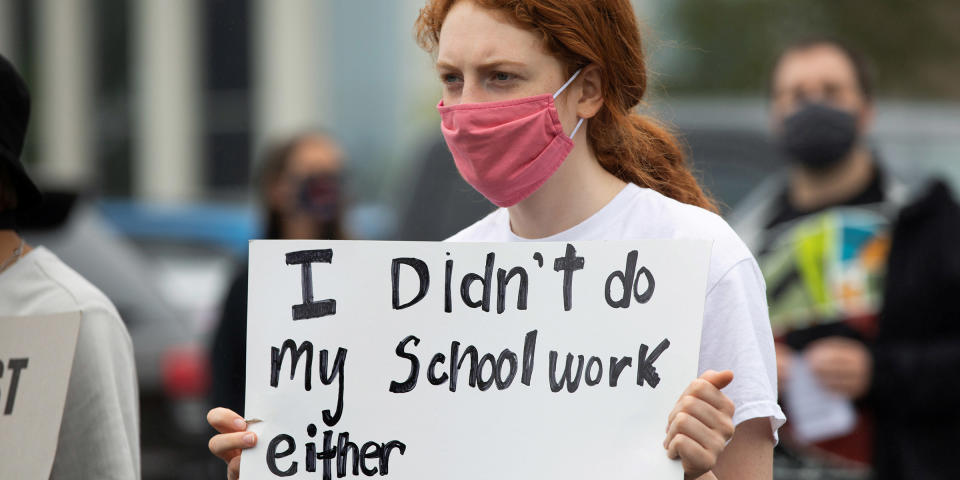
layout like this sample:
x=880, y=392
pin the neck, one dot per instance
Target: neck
x=299, y=227
x=577, y=190
x=305, y=227
x=812, y=189
x=9, y=241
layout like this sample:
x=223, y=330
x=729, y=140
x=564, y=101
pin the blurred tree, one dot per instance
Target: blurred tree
x=729, y=45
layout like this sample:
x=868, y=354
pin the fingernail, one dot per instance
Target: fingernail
x=249, y=438
x=240, y=424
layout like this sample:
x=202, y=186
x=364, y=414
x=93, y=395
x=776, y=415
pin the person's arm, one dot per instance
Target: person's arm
x=736, y=337
x=917, y=350
x=100, y=433
x=228, y=354
x=749, y=455
x=700, y=424
x=700, y=427
x=911, y=376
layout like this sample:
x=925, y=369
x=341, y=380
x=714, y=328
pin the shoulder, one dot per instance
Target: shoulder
x=733, y=276
x=60, y=288
x=669, y=218
x=751, y=214
x=736, y=330
x=488, y=229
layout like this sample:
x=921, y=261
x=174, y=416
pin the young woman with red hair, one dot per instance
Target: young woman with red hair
x=537, y=109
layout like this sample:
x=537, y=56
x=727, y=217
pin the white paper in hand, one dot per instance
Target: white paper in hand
x=815, y=412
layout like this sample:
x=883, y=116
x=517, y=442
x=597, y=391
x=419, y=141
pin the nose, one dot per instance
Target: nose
x=468, y=95
x=814, y=93
x=472, y=92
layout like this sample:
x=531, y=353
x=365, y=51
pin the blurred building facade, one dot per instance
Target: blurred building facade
x=169, y=100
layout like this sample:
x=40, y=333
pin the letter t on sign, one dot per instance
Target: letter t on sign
x=568, y=264
x=310, y=308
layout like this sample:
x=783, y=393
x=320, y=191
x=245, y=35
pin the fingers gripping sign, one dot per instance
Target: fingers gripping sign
x=232, y=439
x=457, y=340
x=701, y=423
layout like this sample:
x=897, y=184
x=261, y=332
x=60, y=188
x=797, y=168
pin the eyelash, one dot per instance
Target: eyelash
x=446, y=78
x=452, y=78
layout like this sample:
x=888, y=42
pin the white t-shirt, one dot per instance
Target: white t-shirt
x=736, y=328
x=100, y=433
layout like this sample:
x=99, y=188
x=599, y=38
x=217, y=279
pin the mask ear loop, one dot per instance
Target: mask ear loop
x=564, y=87
x=576, y=128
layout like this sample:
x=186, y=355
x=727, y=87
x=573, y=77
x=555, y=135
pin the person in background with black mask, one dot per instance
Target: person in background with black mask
x=850, y=265
x=99, y=433
x=301, y=190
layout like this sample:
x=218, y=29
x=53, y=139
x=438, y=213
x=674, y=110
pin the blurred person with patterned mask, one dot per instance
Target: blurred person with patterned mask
x=300, y=187
x=840, y=242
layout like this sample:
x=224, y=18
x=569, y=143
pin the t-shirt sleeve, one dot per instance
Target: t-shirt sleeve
x=99, y=434
x=737, y=337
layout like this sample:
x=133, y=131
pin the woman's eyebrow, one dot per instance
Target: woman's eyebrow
x=492, y=64
x=488, y=65
x=442, y=65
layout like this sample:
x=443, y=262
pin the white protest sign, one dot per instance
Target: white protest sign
x=36, y=356
x=470, y=361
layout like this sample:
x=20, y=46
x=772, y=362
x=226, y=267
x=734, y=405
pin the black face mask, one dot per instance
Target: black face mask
x=818, y=136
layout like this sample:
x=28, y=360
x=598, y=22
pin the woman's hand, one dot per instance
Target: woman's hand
x=231, y=441
x=701, y=423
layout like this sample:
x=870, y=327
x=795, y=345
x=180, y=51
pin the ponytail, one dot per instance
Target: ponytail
x=639, y=150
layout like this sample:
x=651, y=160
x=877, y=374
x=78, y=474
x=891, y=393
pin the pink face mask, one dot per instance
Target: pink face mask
x=507, y=150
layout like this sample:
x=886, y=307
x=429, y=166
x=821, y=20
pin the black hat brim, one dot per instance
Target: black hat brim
x=28, y=195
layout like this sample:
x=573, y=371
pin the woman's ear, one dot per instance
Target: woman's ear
x=591, y=91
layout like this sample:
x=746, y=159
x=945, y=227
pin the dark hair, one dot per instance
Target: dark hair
x=8, y=190
x=275, y=161
x=862, y=66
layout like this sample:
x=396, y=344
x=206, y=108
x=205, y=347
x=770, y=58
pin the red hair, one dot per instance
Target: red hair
x=635, y=148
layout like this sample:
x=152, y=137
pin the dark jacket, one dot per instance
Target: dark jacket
x=228, y=354
x=916, y=377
